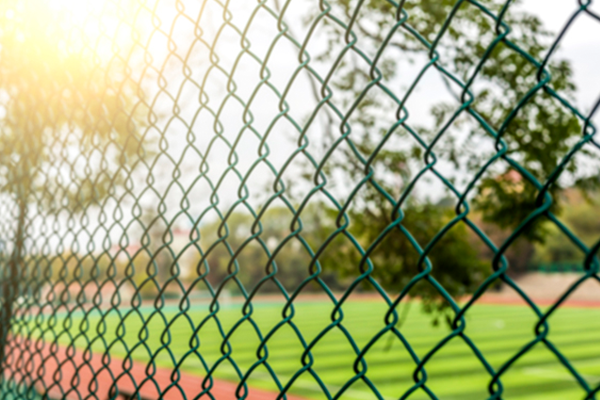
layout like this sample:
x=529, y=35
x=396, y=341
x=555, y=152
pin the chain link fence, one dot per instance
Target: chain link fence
x=223, y=199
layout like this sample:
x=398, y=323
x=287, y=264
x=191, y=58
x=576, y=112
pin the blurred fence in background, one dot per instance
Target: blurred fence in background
x=165, y=161
x=558, y=267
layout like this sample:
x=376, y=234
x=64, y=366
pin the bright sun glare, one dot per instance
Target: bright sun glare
x=100, y=26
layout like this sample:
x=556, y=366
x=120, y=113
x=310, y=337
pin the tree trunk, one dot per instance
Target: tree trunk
x=10, y=286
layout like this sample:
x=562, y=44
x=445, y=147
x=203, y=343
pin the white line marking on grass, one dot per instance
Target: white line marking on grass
x=553, y=374
x=499, y=324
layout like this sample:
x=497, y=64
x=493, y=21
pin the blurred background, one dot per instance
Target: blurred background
x=206, y=154
x=136, y=131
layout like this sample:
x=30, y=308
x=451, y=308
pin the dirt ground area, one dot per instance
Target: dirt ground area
x=547, y=288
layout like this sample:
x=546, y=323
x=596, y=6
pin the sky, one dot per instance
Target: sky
x=580, y=45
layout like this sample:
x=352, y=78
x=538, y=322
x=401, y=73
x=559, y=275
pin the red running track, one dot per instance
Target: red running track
x=69, y=375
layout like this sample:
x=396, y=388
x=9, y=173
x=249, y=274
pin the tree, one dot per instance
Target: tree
x=374, y=156
x=236, y=252
x=69, y=129
x=456, y=258
x=578, y=217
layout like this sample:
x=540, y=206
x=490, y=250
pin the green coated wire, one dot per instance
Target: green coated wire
x=48, y=323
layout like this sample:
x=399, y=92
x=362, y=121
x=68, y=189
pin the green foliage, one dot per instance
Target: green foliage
x=65, y=101
x=537, y=128
x=456, y=260
x=238, y=258
x=558, y=248
x=537, y=136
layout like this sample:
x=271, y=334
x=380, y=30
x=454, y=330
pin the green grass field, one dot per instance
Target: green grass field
x=453, y=373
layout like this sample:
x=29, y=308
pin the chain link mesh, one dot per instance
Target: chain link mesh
x=131, y=147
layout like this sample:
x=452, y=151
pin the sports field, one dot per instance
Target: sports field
x=499, y=331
